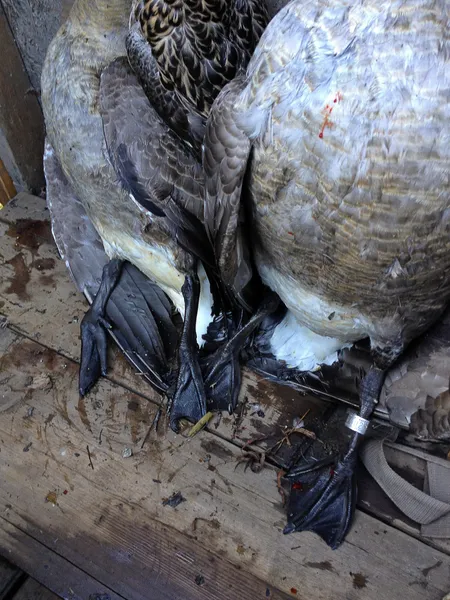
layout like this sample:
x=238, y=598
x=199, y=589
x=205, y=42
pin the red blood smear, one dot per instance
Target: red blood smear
x=293, y=590
x=335, y=100
x=297, y=486
x=290, y=233
x=321, y=135
x=331, y=472
x=65, y=492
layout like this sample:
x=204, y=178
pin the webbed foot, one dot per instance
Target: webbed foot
x=223, y=373
x=94, y=345
x=189, y=399
x=323, y=495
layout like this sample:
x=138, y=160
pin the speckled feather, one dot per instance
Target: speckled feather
x=346, y=110
x=200, y=45
x=189, y=126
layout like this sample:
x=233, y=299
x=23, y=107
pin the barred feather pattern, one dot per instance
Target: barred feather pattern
x=200, y=45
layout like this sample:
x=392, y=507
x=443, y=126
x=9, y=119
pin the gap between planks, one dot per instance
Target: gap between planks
x=371, y=499
x=111, y=520
x=47, y=310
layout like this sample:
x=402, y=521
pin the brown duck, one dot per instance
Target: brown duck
x=185, y=51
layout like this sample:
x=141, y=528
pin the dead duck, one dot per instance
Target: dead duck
x=155, y=52
x=93, y=36
x=200, y=46
x=340, y=127
x=143, y=191
x=185, y=51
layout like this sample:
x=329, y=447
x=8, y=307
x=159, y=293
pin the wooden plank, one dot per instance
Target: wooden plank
x=11, y=577
x=109, y=520
x=35, y=302
x=41, y=312
x=48, y=568
x=21, y=119
x=37, y=296
x=32, y=590
x=7, y=188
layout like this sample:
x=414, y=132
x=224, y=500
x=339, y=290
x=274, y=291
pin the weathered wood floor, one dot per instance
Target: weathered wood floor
x=84, y=521
x=16, y=585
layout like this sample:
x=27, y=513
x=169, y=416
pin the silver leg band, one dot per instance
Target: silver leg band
x=357, y=423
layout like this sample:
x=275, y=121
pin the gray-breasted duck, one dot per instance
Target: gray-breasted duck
x=143, y=190
x=340, y=127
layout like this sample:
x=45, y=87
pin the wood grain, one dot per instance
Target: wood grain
x=21, y=119
x=36, y=293
x=52, y=570
x=11, y=577
x=32, y=590
x=109, y=520
x=49, y=310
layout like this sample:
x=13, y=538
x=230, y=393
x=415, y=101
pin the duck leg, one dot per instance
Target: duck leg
x=189, y=399
x=323, y=495
x=94, y=344
x=223, y=373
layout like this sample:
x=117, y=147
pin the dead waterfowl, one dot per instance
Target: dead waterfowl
x=340, y=126
x=93, y=36
x=198, y=45
x=143, y=190
x=185, y=51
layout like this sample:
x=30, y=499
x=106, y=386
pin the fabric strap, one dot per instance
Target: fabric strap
x=431, y=507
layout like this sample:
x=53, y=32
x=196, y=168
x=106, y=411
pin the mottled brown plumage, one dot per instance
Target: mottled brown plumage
x=200, y=45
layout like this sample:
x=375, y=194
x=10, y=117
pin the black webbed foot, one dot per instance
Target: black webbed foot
x=323, y=495
x=189, y=399
x=223, y=370
x=94, y=345
x=322, y=499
